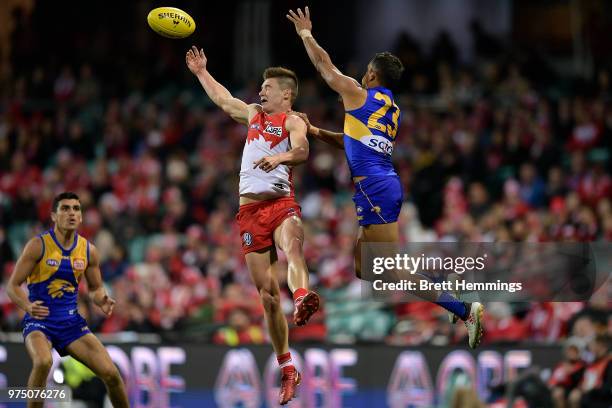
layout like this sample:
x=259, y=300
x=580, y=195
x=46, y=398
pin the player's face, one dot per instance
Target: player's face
x=271, y=95
x=68, y=215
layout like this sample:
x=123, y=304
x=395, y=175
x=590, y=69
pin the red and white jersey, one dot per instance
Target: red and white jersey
x=267, y=136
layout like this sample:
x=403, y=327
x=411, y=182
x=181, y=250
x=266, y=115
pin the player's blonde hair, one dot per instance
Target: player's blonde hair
x=286, y=79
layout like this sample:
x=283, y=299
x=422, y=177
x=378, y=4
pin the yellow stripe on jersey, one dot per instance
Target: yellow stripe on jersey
x=354, y=128
x=53, y=256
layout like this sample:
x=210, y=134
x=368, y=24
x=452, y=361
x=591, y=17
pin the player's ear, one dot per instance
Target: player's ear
x=53, y=216
x=287, y=94
x=371, y=75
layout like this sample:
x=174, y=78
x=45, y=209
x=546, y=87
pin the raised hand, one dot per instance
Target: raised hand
x=300, y=20
x=196, y=60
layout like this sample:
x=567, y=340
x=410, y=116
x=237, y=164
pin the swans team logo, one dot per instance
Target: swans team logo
x=247, y=239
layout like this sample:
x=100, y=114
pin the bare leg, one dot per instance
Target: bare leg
x=290, y=238
x=90, y=351
x=261, y=266
x=388, y=233
x=39, y=349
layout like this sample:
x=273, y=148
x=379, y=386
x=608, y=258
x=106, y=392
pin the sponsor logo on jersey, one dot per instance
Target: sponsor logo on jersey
x=52, y=262
x=279, y=185
x=247, y=239
x=378, y=143
x=58, y=287
x=78, y=264
x=274, y=130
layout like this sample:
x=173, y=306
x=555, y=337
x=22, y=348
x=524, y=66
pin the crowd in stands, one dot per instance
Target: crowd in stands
x=485, y=153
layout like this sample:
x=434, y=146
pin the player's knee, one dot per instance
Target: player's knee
x=110, y=376
x=358, y=269
x=43, y=363
x=294, y=248
x=270, y=301
x=358, y=266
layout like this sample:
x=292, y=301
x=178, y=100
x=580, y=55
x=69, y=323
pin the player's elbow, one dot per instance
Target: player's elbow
x=301, y=155
x=225, y=105
x=10, y=291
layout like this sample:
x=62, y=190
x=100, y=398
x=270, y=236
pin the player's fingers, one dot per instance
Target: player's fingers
x=300, y=13
x=40, y=313
x=256, y=163
x=293, y=14
x=290, y=18
x=307, y=12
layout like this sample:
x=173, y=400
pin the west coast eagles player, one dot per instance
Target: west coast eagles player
x=268, y=213
x=371, y=122
x=53, y=264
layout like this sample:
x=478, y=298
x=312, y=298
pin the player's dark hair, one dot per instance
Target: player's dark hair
x=286, y=79
x=66, y=195
x=388, y=67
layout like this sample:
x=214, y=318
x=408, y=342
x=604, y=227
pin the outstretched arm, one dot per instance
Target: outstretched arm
x=332, y=138
x=24, y=266
x=97, y=292
x=237, y=109
x=352, y=94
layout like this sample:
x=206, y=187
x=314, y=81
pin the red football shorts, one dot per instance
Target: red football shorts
x=257, y=221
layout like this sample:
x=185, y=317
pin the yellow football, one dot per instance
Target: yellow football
x=171, y=22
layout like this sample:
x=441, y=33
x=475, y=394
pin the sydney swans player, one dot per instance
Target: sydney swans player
x=268, y=212
x=53, y=264
x=371, y=122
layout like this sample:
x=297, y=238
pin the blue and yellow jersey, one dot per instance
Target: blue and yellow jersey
x=55, y=278
x=369, y=134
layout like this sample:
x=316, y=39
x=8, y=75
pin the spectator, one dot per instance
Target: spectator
x=595, y=389
x=567, y=375
x=240, y=330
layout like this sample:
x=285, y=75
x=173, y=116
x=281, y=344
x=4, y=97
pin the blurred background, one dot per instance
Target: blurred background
x=505, y=135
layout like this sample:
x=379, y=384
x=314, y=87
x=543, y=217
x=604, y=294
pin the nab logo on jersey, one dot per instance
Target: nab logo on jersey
x=274, y=130
x=52, y=262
